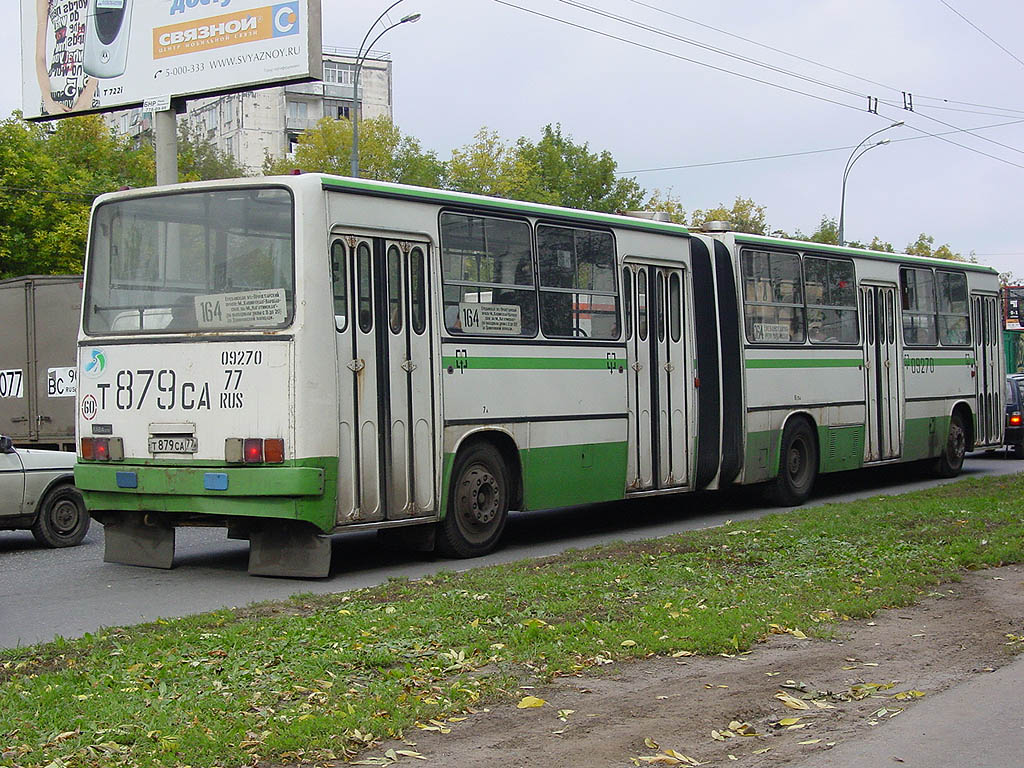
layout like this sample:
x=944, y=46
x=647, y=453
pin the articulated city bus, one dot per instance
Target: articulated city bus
x=293, y=357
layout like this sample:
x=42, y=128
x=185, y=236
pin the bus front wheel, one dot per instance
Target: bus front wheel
x=478, y=503
x=798, y=465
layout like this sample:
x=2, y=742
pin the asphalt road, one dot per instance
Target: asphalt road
x=46, y=593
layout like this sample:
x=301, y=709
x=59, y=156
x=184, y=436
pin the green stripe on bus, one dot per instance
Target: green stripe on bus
x=825, y=362
x=441, y=196
x=532, y=363
x=909, y=359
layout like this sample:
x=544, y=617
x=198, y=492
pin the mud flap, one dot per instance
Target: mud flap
x=130, y=540
x=289, y=550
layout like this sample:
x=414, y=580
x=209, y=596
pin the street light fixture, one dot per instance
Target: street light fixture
x=856, y=155
x=361, y=55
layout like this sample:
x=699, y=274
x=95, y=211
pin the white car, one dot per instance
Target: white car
x=37, y=491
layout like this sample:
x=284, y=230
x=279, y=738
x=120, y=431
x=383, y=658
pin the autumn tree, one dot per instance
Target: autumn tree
x=923, y=247
x=744, y=216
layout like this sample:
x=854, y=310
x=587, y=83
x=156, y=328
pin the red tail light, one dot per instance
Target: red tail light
x=101, y=448
x=1015, y=420
x=252, y=450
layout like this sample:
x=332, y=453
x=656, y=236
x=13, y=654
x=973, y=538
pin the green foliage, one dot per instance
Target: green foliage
x=666, y=202
x=923, y=247
x=385, y=153
x=576, y=177
x=744, y=216
x=199, y=159
x=320, y=678
x=49, y=175
x=554, y=170
x=490, y=166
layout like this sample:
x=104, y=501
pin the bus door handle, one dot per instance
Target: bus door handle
x=637, y=366
x=19, y=419
x=408, y=366
x=669, y=367
x=356, y=366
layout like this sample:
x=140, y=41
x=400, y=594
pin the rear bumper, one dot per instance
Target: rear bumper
x=1013, y=435
x=303, y=490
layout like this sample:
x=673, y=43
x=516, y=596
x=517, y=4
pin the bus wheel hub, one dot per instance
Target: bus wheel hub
x=482, y=498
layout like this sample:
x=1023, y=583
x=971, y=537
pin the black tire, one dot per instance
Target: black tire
x=798, y=465
x=951, y=460
x=478, y=502
x=62, y=520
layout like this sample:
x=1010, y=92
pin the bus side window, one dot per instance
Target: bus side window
x=627, y=297
x=339, y=280
x=417, y=292
x=395, y=289
x=365, y=289
x=641, y=304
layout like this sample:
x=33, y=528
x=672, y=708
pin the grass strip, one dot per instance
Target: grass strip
x=321, y=677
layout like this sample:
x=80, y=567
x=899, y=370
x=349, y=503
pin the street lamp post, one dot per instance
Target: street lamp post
x=361, y=54
x=856, y=155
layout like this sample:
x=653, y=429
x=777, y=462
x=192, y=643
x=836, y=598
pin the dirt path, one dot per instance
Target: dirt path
x=956, y=634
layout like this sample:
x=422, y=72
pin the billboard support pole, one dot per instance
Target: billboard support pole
x=165, y=127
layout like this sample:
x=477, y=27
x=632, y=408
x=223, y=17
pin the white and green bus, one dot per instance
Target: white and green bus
x=298, y=356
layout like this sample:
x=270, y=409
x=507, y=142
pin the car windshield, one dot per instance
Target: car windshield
x=188, y=262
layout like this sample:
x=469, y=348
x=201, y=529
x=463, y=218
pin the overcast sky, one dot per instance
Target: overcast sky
x=473, y=63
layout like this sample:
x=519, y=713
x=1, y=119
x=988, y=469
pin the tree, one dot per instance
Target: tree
x=744, y=216
x=923, y=247
x=200, y=159
x=575, y=177
x=385, y=153
x=489, y=166
x=49, y=176
x=666, y=202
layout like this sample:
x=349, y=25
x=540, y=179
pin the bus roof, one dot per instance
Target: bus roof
x=863, y=253
x=443, y=196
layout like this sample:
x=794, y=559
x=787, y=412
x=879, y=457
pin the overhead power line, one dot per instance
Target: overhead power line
x=984, y=33
x=761, y=81
x=792, y=154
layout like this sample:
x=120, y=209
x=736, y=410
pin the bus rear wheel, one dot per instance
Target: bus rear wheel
x=798, y=465
x=478, y=503
x=951, y=460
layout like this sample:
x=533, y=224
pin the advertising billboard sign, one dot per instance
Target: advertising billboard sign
x=99, y=55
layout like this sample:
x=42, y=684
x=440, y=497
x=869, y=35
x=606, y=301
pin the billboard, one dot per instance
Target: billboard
x=99, y=55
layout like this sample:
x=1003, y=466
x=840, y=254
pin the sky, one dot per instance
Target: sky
x=656, y=97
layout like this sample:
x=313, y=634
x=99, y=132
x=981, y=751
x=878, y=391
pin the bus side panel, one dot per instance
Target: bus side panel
x=564, y=406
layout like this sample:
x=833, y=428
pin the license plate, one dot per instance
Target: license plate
x=173, y=445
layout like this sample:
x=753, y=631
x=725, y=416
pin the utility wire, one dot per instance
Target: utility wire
x=765, y=46
x=984, y=33
x=707, y=47
x=655, y=30
x=755, y=79
x=610, y=36
x=791, y=154
x=812, y=61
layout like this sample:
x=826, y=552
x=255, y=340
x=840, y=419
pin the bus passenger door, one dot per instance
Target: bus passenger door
x=657, y=378
x=884, y=438
x=410, y=450
x=988, y=378
x=385, y=385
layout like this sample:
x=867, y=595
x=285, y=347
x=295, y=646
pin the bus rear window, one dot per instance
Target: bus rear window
x=190, y=262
